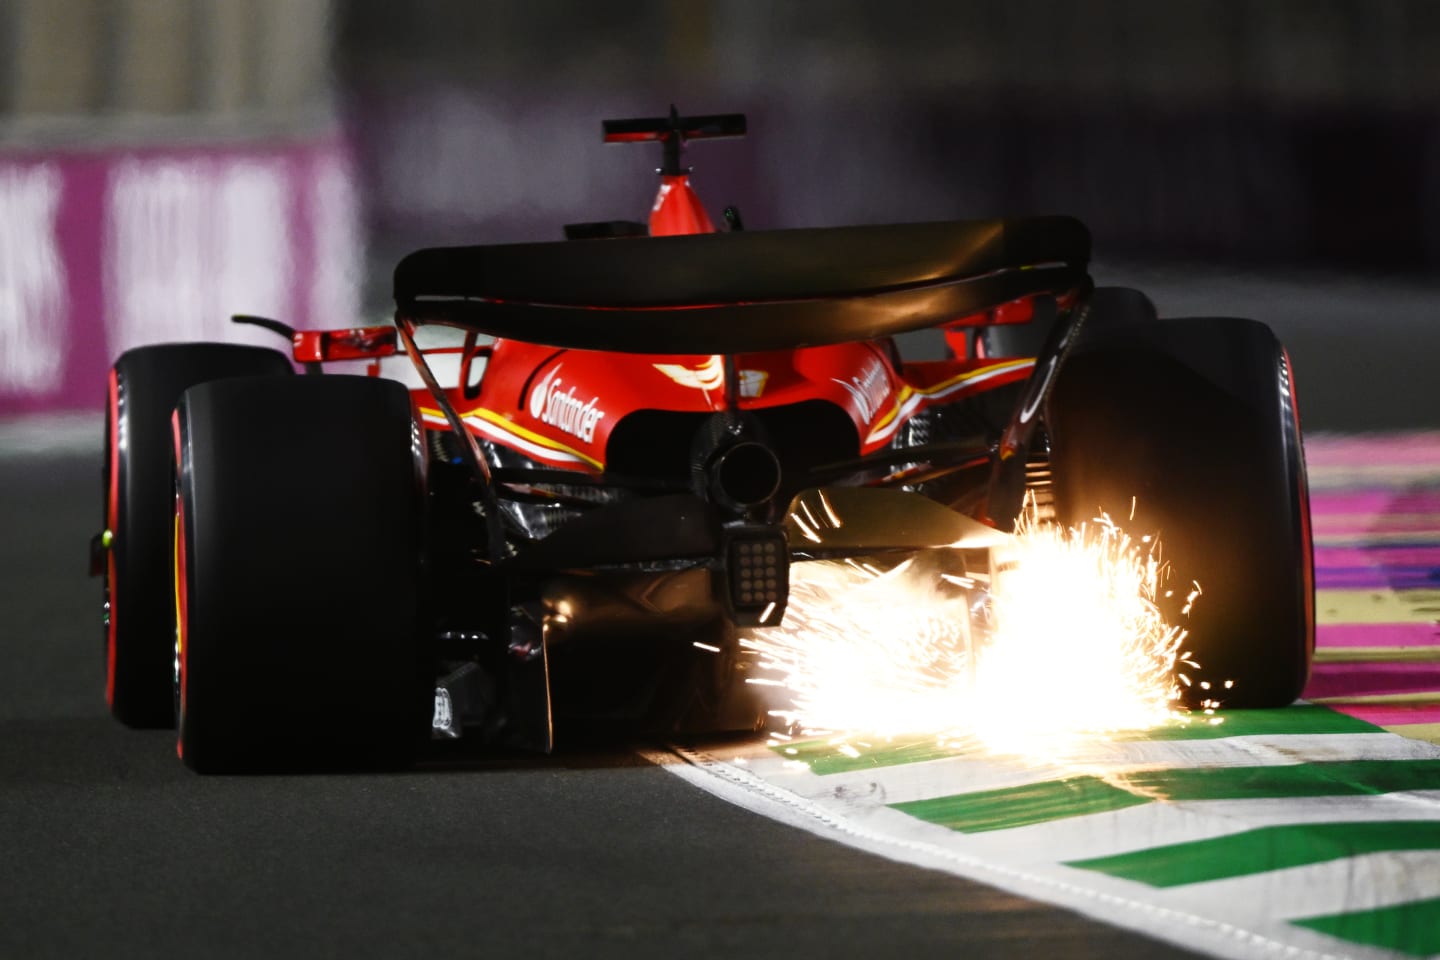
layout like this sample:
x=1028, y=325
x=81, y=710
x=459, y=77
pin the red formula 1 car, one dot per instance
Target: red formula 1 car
x=303, y=570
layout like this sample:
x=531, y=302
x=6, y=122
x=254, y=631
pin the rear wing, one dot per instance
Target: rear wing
x=673, y=131
x=746, y=291
x=646, y=129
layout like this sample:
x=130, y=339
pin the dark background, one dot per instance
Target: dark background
x=1283, y=132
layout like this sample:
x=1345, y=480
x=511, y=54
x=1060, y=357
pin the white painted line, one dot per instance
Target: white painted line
x=1319, y=889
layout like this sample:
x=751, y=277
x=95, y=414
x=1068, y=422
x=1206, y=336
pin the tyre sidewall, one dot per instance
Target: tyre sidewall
x=303, y=543
x=1191, y=425
x=146, y=384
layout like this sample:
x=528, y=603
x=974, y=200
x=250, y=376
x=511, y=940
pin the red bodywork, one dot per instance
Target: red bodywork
x=557, y=407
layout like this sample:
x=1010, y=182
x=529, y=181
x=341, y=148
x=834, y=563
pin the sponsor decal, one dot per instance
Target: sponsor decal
x=498, y=427
x=869, y=389
x=710, y=375
x=555, y=406
x=1036, y=395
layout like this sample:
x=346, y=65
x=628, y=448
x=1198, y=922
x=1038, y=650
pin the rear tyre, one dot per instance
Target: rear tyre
x=300, y=510
x=145, y=384
x=1196, y=421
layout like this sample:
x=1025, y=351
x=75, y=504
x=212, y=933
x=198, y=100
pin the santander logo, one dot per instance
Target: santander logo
x=869, y=390
x=553, y=405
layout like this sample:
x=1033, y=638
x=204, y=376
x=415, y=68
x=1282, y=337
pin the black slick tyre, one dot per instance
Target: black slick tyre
x=300, y=516
x=144, y=385
x=1192, y=424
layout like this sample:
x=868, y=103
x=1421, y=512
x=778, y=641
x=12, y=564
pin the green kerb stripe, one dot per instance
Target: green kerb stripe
x=1305, y=718
x=1264, y=849
x=826, y=758
x=1021, y=806
x=1341, y=778
x=1412, y=928
x=1077, y=796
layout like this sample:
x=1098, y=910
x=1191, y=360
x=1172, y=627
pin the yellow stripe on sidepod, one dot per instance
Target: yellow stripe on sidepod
x=906, y=391
x=900, y=399
x=498, y=420
x=1005, y=367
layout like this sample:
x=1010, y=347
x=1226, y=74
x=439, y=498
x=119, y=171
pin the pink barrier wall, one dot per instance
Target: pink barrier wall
x=103, y=250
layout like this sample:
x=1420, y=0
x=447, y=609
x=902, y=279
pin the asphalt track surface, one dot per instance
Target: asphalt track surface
x=109, y=847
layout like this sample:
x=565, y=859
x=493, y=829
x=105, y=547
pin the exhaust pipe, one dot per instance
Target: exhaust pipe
x=744, y=475
x=732, y=468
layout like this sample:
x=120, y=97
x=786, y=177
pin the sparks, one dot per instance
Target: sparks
x=1068, y=641
x=863, y=649
x=1078, y=645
